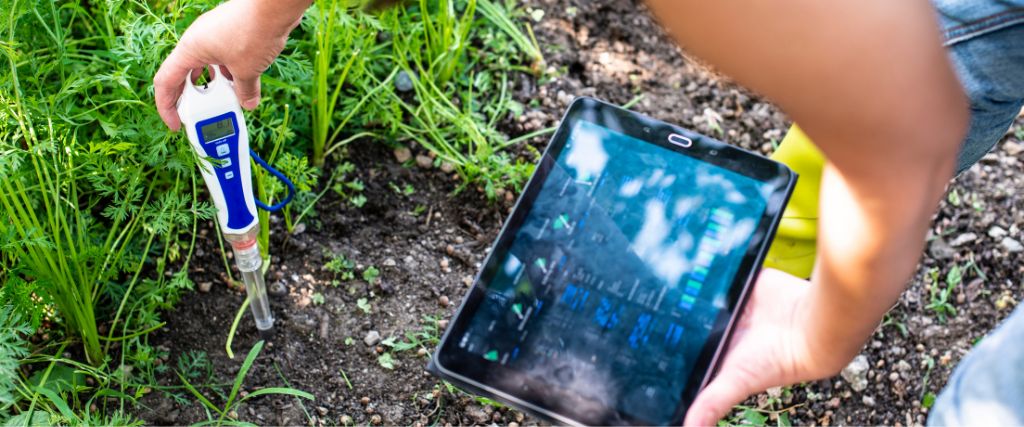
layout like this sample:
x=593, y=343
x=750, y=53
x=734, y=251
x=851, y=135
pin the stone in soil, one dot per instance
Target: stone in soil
x=963, y=239
x=372, y=338
x=402, y=154
x=1011, y=245
x=278, y=289
x=204, y=287
x=424, y=162
x=856, y=373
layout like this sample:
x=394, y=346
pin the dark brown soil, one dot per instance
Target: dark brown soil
x=609, y=49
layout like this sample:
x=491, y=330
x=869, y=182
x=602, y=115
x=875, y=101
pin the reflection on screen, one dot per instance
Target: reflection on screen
x=615, y=279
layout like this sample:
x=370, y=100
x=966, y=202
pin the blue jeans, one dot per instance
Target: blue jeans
x=985, y=42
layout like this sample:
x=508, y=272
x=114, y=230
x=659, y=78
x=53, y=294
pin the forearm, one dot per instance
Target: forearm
x=870, y=83
x=278, y=15
x=871, y=235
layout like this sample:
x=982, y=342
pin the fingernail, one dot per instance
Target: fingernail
x=251, y=103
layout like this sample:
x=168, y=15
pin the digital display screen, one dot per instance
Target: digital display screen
x=615, y=279
x=217, y=130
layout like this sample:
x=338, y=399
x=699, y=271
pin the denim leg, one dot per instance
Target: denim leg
x=987, y=387
x=991, y=70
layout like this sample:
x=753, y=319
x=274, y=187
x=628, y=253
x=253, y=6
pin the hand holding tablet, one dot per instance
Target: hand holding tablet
x=612, y=289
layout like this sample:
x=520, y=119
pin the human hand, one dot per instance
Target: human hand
x=768, y=348
x=242, y=36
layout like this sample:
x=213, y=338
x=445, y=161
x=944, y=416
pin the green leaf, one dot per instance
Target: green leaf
x=928, y=400
x=754, y=417
x=784, y=419
x=386, y=361
x=278, y=390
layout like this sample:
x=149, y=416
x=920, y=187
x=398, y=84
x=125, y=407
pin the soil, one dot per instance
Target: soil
x=610, y=49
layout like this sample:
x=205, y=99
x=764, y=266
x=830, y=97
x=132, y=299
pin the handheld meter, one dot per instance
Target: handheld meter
x=213, y=121
x=215, y=125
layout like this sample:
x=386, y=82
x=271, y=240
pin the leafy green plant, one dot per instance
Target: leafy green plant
x=233, y=399
x=91, y=184
x=364, y=305
x=342, y=267
x=769, y=410
x=941, y=297
x=13, y=348
x=371, y=274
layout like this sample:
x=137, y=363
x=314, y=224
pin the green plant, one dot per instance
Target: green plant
x=317, y=298
x=371, y=274
x=502, y=19
x=770, y=407
x=342, y=267
x=13, y=348
x=940, y=297
x=336, y=34
x=386, y=361
x=91, y=187
x=232, y=399
x=426, y=337
x=363, y=305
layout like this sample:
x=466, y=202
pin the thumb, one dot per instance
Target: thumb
x=248, y=91
x=730, y=387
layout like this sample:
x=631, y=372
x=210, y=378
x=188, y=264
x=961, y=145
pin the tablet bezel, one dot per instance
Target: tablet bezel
x=473, y=372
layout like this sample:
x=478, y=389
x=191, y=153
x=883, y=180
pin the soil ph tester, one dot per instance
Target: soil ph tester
x=215, y=125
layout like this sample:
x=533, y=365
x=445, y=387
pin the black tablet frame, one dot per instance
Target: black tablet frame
x=478, y=375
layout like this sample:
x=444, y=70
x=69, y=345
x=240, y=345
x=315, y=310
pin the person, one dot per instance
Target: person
x=897, y=95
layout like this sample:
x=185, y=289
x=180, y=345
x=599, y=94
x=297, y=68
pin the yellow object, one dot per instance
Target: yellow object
x=794, y=247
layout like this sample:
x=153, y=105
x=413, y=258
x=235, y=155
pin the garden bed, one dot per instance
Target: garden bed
x=332, y=334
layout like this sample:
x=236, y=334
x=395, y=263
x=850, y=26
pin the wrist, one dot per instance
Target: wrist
x=277, y=17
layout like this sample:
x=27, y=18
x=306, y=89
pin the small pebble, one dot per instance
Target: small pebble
x=443, y=301
x=204, y=287
x=403, y=81
x=444, y=263
x=365, y=400
x=376, y=420
x=868, y=401
x=424, y=162
x=421, y=352
x=1011, y=245
x=371, y=339
x=345, y=420
x=278, y=289
x=402, y=154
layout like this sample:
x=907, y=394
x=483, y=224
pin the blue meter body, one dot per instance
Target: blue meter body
x=213, y=121
x=219, y=137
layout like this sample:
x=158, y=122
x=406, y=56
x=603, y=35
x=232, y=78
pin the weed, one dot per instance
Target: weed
x=770, y=407
x=426, y=337
x=371, y=274
x=954, y=197
x=13, y=348
x=940, y=297
x=342, y=267
x=363, y=305
x=317, y=298
x=232, y=399
x=386, y=361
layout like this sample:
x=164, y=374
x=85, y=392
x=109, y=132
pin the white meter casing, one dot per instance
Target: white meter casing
x=213, y=120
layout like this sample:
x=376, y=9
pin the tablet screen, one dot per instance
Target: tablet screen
x=618, y=273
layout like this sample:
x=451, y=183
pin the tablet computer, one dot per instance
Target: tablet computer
x=610, y=292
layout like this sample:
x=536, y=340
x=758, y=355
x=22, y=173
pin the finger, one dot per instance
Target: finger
x=168, y=83
x=729, y=388
x=248, y=91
